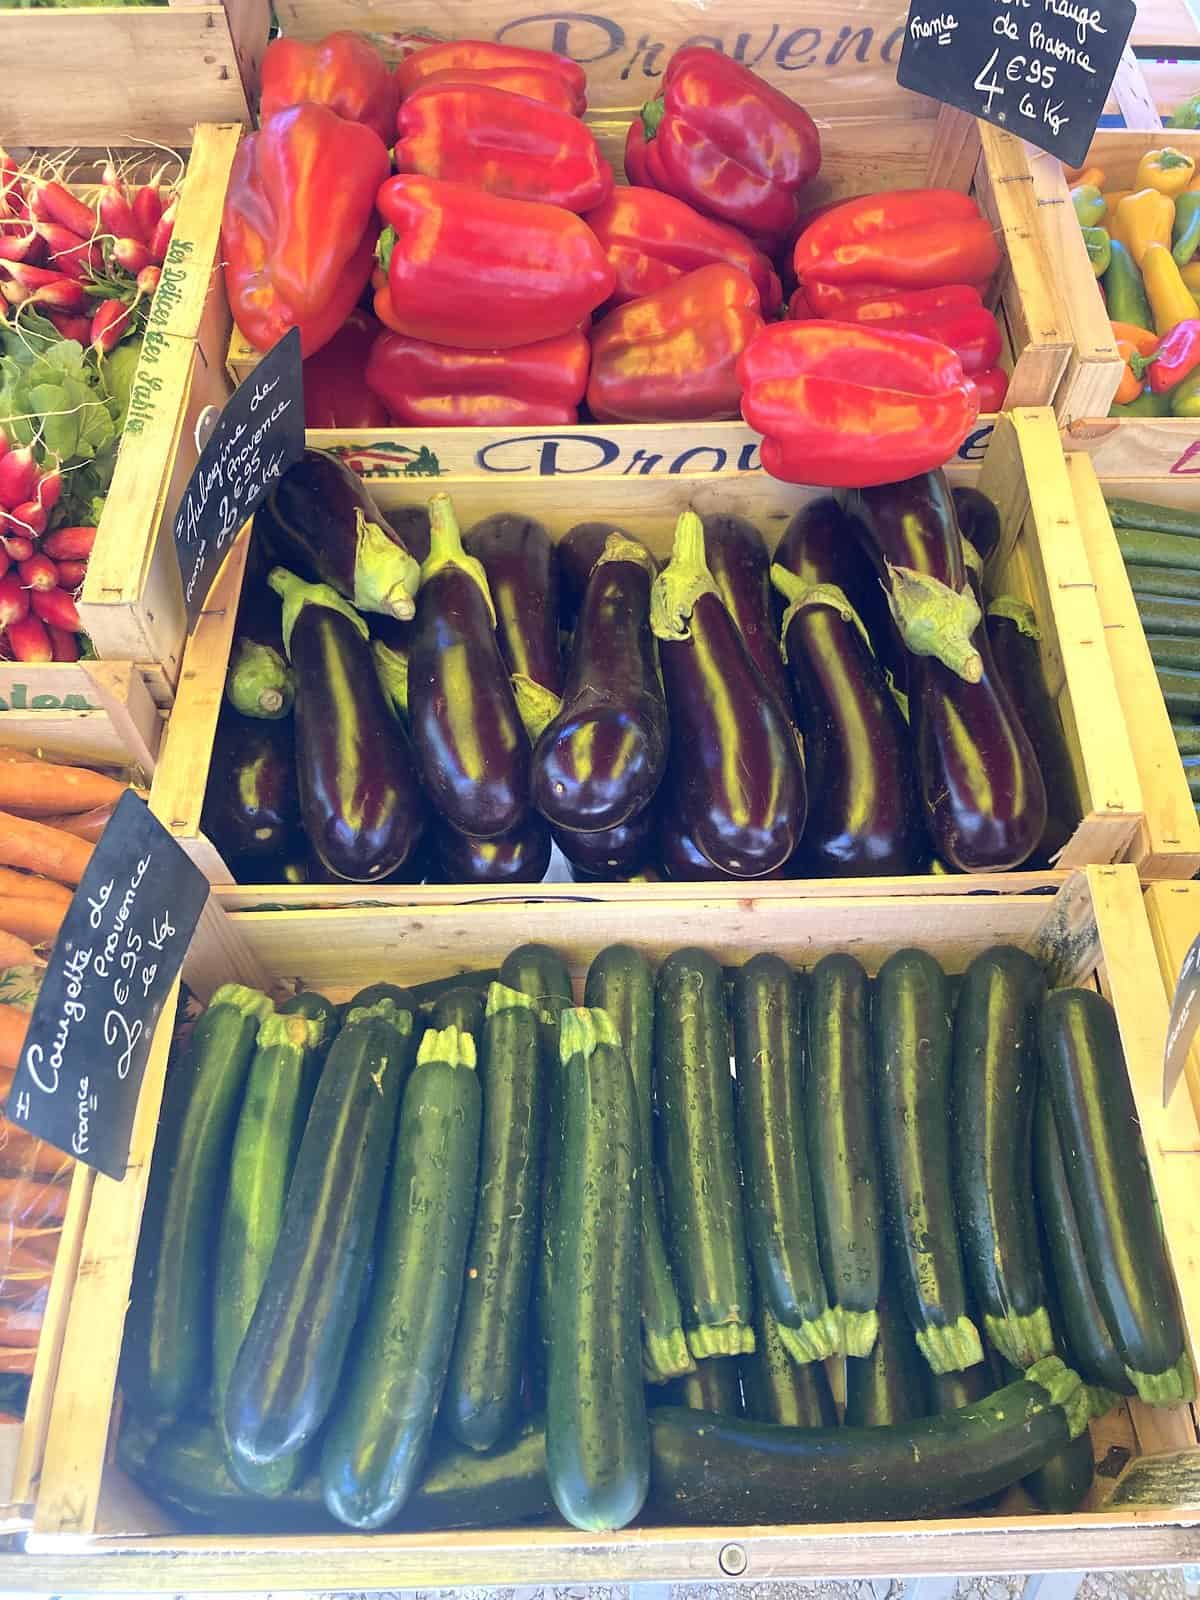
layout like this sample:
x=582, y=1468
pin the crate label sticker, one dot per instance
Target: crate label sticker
x=1040, y=69
x=117, y=954
x=1185, y=1020
x=260, y=435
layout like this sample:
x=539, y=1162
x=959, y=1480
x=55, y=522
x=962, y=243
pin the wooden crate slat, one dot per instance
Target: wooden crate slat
x=1173, y=911
x=95, y=713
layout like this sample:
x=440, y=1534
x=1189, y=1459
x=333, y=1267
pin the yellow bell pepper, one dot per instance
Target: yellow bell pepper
x=1144, y=218
x=1112, y=199
x=1170, y=299
x=1168, y=171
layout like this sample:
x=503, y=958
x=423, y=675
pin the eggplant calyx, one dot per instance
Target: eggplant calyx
x=386, y=577
x=259, y=682
x=537, y=706
x=619, y=547
x=681, y=582
x=446, y=549
x=392, y=667
x=1017, y=611
x=935, y=621
x=802, y=596
x=296, y=594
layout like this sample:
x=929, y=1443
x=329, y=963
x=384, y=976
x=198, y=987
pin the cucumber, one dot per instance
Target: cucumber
x=994, y=1085
x=1181, y=691
x=1162, y=582
x=888, y=1385
x=718, y=1470
x=1159, y=519
x=278, y=1095
x=483, y=1389
x=290, y=1361
x=843, y=1153
x=778, y=1389
x=620, y=982
x=1146, y=548
x=1187, y=737
x=460, y=1008
x=780, y=1219
x=1109, y=1185
x=700, y=1166
x=1171, y=617
x=597, y=1439
x=912, y=1060
x=1172, y=651
x=166, y=1359
x=378, y=1440
x=713, y=1385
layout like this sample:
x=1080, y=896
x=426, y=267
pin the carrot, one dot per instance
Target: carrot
x=38, y=848
x=10, y=752
x=24, y=1199
x=87, y=825
x=14, y=1024
x=18, y=1361
x=43, y=789
x=31, y=918
x=24, y=1155
x=15, y=951
x=22, y=883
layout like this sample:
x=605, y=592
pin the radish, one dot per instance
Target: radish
x=147, y=210
x=108, y=324
x=68, y=294
x=115, y=211
x=131, y=255
x=18, y=477
x=77, y=328
x=28, y=520
x=49, y=489
x=147, y=282
x=78, y=258
x=64, y=645
x=69, y=544
x=162, y=234
x=5, y=563
x=21, y=246
x=55, y=606
x=14, y=601
x=5, y=443
x=51, y=202
x=42, y=287
x=29, y=640
x=71, y=574
x=16, y=547
x=38, y=573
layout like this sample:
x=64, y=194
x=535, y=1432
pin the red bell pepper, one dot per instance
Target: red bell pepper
x=672, y=356
x=905, y=238
x=728, y=143
x=1178, y=354
x=341, y=71
x=876, y=302
x=991, y=387
x=433, y=386
x=481, y=272
x=971, y=332
x=298, y=229
x=843, y=406
x=335, y=391
x=652, y=239
x=481, y=55
x=535, y=83
x=799, y=306
x=505, y=143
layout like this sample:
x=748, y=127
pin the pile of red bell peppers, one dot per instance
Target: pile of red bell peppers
x=450, y=233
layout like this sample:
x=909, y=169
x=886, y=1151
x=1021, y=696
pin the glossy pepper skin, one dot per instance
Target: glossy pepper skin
x=482, y=272
x=653, y=239
x=672, y=357
x=1168, y=170
x=535, y=83
x=426, y=385
x=846, y=407
x=504, y=143
x=341, y=71
x=881, y=303
x=489, y=59
x=725, y=141
x=298, y=228
x=335, y=395
x=1176, y=356
x=1171, y=301
x=1143, y=218
x=906, y=238
x=1185, y=232
x=972, y=332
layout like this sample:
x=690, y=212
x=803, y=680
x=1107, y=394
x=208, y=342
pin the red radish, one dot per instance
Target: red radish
x=16, y=547
x=43, y=287
x=49, y=489
x=39, y=572
x=5, y=563
x=69, y=544
x=64, y=645
x=21, y=246
x=14, y=600
x=147, y=282
x=56, y=607
x=28, y=521
x=162, y=234
x=147, y=210
x=68, y=294
x=18, y=477
x=51, y=202
x=131, y=255
x=77, y=257
x=77, y=328
x=71, y=574
x=29, y=640
x=115, y=211
x=108, y=324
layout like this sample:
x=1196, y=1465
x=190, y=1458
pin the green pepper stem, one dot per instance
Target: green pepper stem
x=296, y=594
x=446, y=549
x=682, y=581
x=652, y=115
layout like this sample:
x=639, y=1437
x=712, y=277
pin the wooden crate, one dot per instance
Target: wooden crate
x=1041, y=559
x=91, y=1530
x=93, y=713
x=1168, y=844
x=1173, y=910
x=116, y=75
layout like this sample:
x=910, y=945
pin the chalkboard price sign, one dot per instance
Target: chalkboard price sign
x=118, y=952
x=260, y=435
x=1041, y=69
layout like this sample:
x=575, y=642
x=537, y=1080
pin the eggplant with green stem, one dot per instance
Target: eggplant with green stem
x=521, y=564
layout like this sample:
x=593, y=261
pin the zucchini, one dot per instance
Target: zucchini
x=372, y=1457
x=888, y=1385
x=597, y=1439
x=620, y=982
x=912, y=1058
x=166, y=1359
x=1187, y=738
x=483, y=1389
x=1181, y=691
x=1162, y=583
x=1173, y=618
x=1109, y=1185
x=843, y=1153
x=461, y=1008
x=542, y=974
x=718, y=1470
x=315, y=1008
x=778, y=1389
x=290, y=1361
x=949, y=1391
x=713, y=1385
x=1159, y=519
x=1173, y=652
x=994, y=1085
x=780, y=1220
x=1146, y=548
x=426, y=995
x=1061, y=1485
x=700, y=1167
x=401, y=999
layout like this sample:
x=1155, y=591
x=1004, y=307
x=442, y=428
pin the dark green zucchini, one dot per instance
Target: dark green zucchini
x=315, y=1008
x=483, y=1390
x=597, y=1439
x=780, y=1221
x=1096, y=1118
x=166, y=1359
x=700, y=1165
x=402, y=999
x=713, y=1385
x=1146, y=548
x=1159, y=519
x=1061, y=1485
x=912, y=1054
x=620, y=982
x=888, y=1385
x=426, y=995
x=1187, y=738
x=1162, y=582
x=948, y=1391
x=378, y=1439
x=542, y=974
x=778, y=1389
x=1176, y=654
x=289, y=1364
x=1180, y=691
x=1163, y=616
x=460, y=1008
x=843, y=1153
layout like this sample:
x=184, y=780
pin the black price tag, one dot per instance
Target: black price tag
x=118, y=952
x=1185, y=1020
x=260, y=435
x=1041, y=69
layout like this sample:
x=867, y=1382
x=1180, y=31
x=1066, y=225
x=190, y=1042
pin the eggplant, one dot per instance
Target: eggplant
x=252, y=803
x=601, y=760
x=864, y=814
x=391, y=641
x=258, y=681
x=471, y=745
x=611, y=852
x=518, y=857
x=578, y=553
x=1013, y=634
x=320, y=522
x=739, y=780
x=521, y=563
x=978, y=521
x=360, y=797
x=678, y=853
x=738, y=560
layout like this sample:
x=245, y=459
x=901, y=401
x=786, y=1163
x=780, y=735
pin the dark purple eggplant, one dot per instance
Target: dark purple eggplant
x=611, y=852
x=978, y=521
x=738, y=560
x=602, y=758
x=578, y=553
x=320, y=522
x=1013, y=635
x=360, y=797
x=679, y=858
x=252, y=803
x=471, y=746
x=739, y=781
x=864, y=815
x=521, y=564
x=518, y=857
